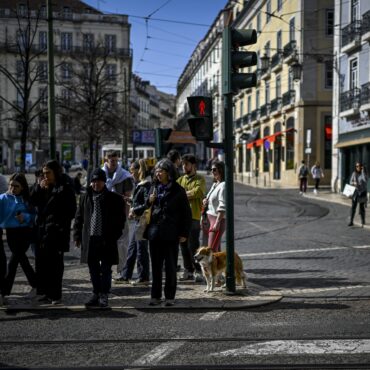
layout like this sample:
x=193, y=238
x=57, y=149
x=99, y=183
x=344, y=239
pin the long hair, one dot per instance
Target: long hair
x=19, y=177
x=140, y=165
x=220, y=168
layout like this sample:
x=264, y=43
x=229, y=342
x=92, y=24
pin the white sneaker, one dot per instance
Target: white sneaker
x=300, y=193
x=315, y=191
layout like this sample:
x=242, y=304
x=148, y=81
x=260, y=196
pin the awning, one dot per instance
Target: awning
x=250, y=145
x=343, y=144
x=270, y=138
x=181, y=137
x=259, y=142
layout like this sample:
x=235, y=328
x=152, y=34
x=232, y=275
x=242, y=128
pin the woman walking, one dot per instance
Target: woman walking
x=317, y=173
x=138, y=248
x=56, y=206
x=16, y=218
x=170, y=224
x=215, y=205
x=359, y=181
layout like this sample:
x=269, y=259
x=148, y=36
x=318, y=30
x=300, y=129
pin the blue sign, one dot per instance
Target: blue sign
x=267, y=145
x=143, y=137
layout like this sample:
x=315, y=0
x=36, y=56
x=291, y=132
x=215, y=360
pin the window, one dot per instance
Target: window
x=292, y=29
x=290, y=144
x=43, y=12
x=20, y=100
x=43, y=97
x=279, y=41
x=329, y=75
x=67, y=97
x=268, y=11
x=249, y=103
x=278, y=87
x=66, y=41
x=353, y=74
x=42, y=71
x=268, y=49
x=88, y=41
x=110, y=43
x=266, y=132
x=267, y=92
x=43, y=40
x=19, y=70
x=259, y=22
x=67, y=12
x=241, y=108
x=248, y=159
x=355, y=11
x=111, y=72
x=22, y=10
x=66, y=69
x=257, y=99
x=329, y=22
x=328, y=141
x=279, y=4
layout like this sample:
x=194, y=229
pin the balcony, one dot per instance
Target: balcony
x=289, y=98
x=238, y=123
x=259, y=76
x=365, y=26
x=365, y=97
x=276, y=105
x=247, y=119
x=254, y=115
x=266, y=73
x=350, y=102
x=289, y=51
x=277, y=62
x=265, y=111
x=351, y=37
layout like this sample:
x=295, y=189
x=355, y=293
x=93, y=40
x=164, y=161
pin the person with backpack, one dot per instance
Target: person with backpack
x=302, y=174
x=317, y=173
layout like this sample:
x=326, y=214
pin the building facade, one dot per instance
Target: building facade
x=351, y=102
x=285, y=119
x=77, y=27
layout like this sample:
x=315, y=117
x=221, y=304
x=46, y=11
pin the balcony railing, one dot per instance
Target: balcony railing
x=350, y=99
x=351, y=32
x=365, y=24
x=263, y=110
x=276, y=104
x=365, y=93
x=254, y=115
x=238, y=123
x=276, y=60
x=289, y=97
x=289, y=48
x=246, y=119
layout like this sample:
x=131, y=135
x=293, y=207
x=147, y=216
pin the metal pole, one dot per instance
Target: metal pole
x=51, y=87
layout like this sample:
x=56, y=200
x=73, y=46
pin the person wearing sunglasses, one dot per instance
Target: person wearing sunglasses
x=359, y=181
x=215, y=206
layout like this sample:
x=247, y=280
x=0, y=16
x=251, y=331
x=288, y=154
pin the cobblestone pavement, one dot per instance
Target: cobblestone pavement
x=77, y=290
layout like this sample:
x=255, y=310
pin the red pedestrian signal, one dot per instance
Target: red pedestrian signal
x=201, y=124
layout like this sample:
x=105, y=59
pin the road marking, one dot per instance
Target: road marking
x=258, y=226
x=212, y=316
x=300, y=347
x=158, y=353
x=294, y=251
x=317, y=290
x=362, y=247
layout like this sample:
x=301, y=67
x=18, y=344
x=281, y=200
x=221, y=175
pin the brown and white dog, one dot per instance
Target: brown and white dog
x=214, y=264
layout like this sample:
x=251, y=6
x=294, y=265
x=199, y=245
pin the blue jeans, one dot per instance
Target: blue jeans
x=137, y=249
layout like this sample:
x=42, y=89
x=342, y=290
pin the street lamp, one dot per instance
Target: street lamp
x=265, y=62
x=296, y=69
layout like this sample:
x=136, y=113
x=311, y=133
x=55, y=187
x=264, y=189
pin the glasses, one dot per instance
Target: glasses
x=214, y=169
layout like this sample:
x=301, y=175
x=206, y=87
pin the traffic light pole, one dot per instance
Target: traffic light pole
x=229, y=160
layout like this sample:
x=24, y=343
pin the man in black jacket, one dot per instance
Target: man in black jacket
x=98, y=225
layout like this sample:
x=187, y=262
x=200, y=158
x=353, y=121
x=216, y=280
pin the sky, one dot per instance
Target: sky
x=163, y=45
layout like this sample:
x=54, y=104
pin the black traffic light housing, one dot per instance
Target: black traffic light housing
x=161, y=136
x=233, y=59
x=201, y=124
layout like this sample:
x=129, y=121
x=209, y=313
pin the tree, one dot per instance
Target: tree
x=92, y=95
x=24, y=71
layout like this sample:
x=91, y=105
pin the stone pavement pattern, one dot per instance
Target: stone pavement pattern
x=77, y=291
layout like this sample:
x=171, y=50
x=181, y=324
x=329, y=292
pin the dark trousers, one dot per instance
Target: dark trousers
x=317, y=183
x=353, y=210
x=19, y=240
x=49, y=271
x=164, y=252
x=303, y=184
x=137, y=250
x=100, y=266
x=189, y=248
x=2, y=264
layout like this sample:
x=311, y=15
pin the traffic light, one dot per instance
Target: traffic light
x=201, y=124
x=233, y=59
x=161, y=136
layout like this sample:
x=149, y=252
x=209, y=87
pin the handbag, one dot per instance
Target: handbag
x=349, y=190
x=142, y=224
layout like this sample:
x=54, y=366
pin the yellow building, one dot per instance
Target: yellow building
x=285, y=119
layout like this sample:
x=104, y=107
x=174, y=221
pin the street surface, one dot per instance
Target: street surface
x=297, y=246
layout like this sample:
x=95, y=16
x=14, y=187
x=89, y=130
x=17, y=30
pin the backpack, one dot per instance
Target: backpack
x=303, y=171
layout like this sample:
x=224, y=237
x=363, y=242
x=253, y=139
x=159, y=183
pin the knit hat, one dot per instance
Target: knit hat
x=98, y=174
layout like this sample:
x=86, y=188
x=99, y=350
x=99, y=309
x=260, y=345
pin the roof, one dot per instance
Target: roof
x=181, y=137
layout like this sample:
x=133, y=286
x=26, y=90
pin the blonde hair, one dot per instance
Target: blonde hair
x=140, y=165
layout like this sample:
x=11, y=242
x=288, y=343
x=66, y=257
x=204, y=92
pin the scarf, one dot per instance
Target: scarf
x=96, y=223
x=119, y=176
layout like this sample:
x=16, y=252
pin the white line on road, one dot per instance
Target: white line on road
x=212, y=316
x=258, y=226
x=300, y=347
x=317, y=290
x=158, y=353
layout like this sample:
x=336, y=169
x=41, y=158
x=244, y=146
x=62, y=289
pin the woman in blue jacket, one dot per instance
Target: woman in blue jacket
x=16, y=218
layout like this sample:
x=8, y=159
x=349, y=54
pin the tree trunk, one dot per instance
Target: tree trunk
x=23, y=147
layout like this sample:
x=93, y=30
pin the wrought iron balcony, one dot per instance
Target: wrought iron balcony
x=277, y=61
x=350, y=100
x=289, y=98
x=289, y=49
x=247, y=119
x=254, y=115
x=264, y=110
x=365, y=94
x=276, y=105
x=365, y=26
x=351, y=34
x=238, y=123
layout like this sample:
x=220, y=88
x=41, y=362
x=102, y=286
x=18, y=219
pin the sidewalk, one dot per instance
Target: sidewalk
x=77, y=291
